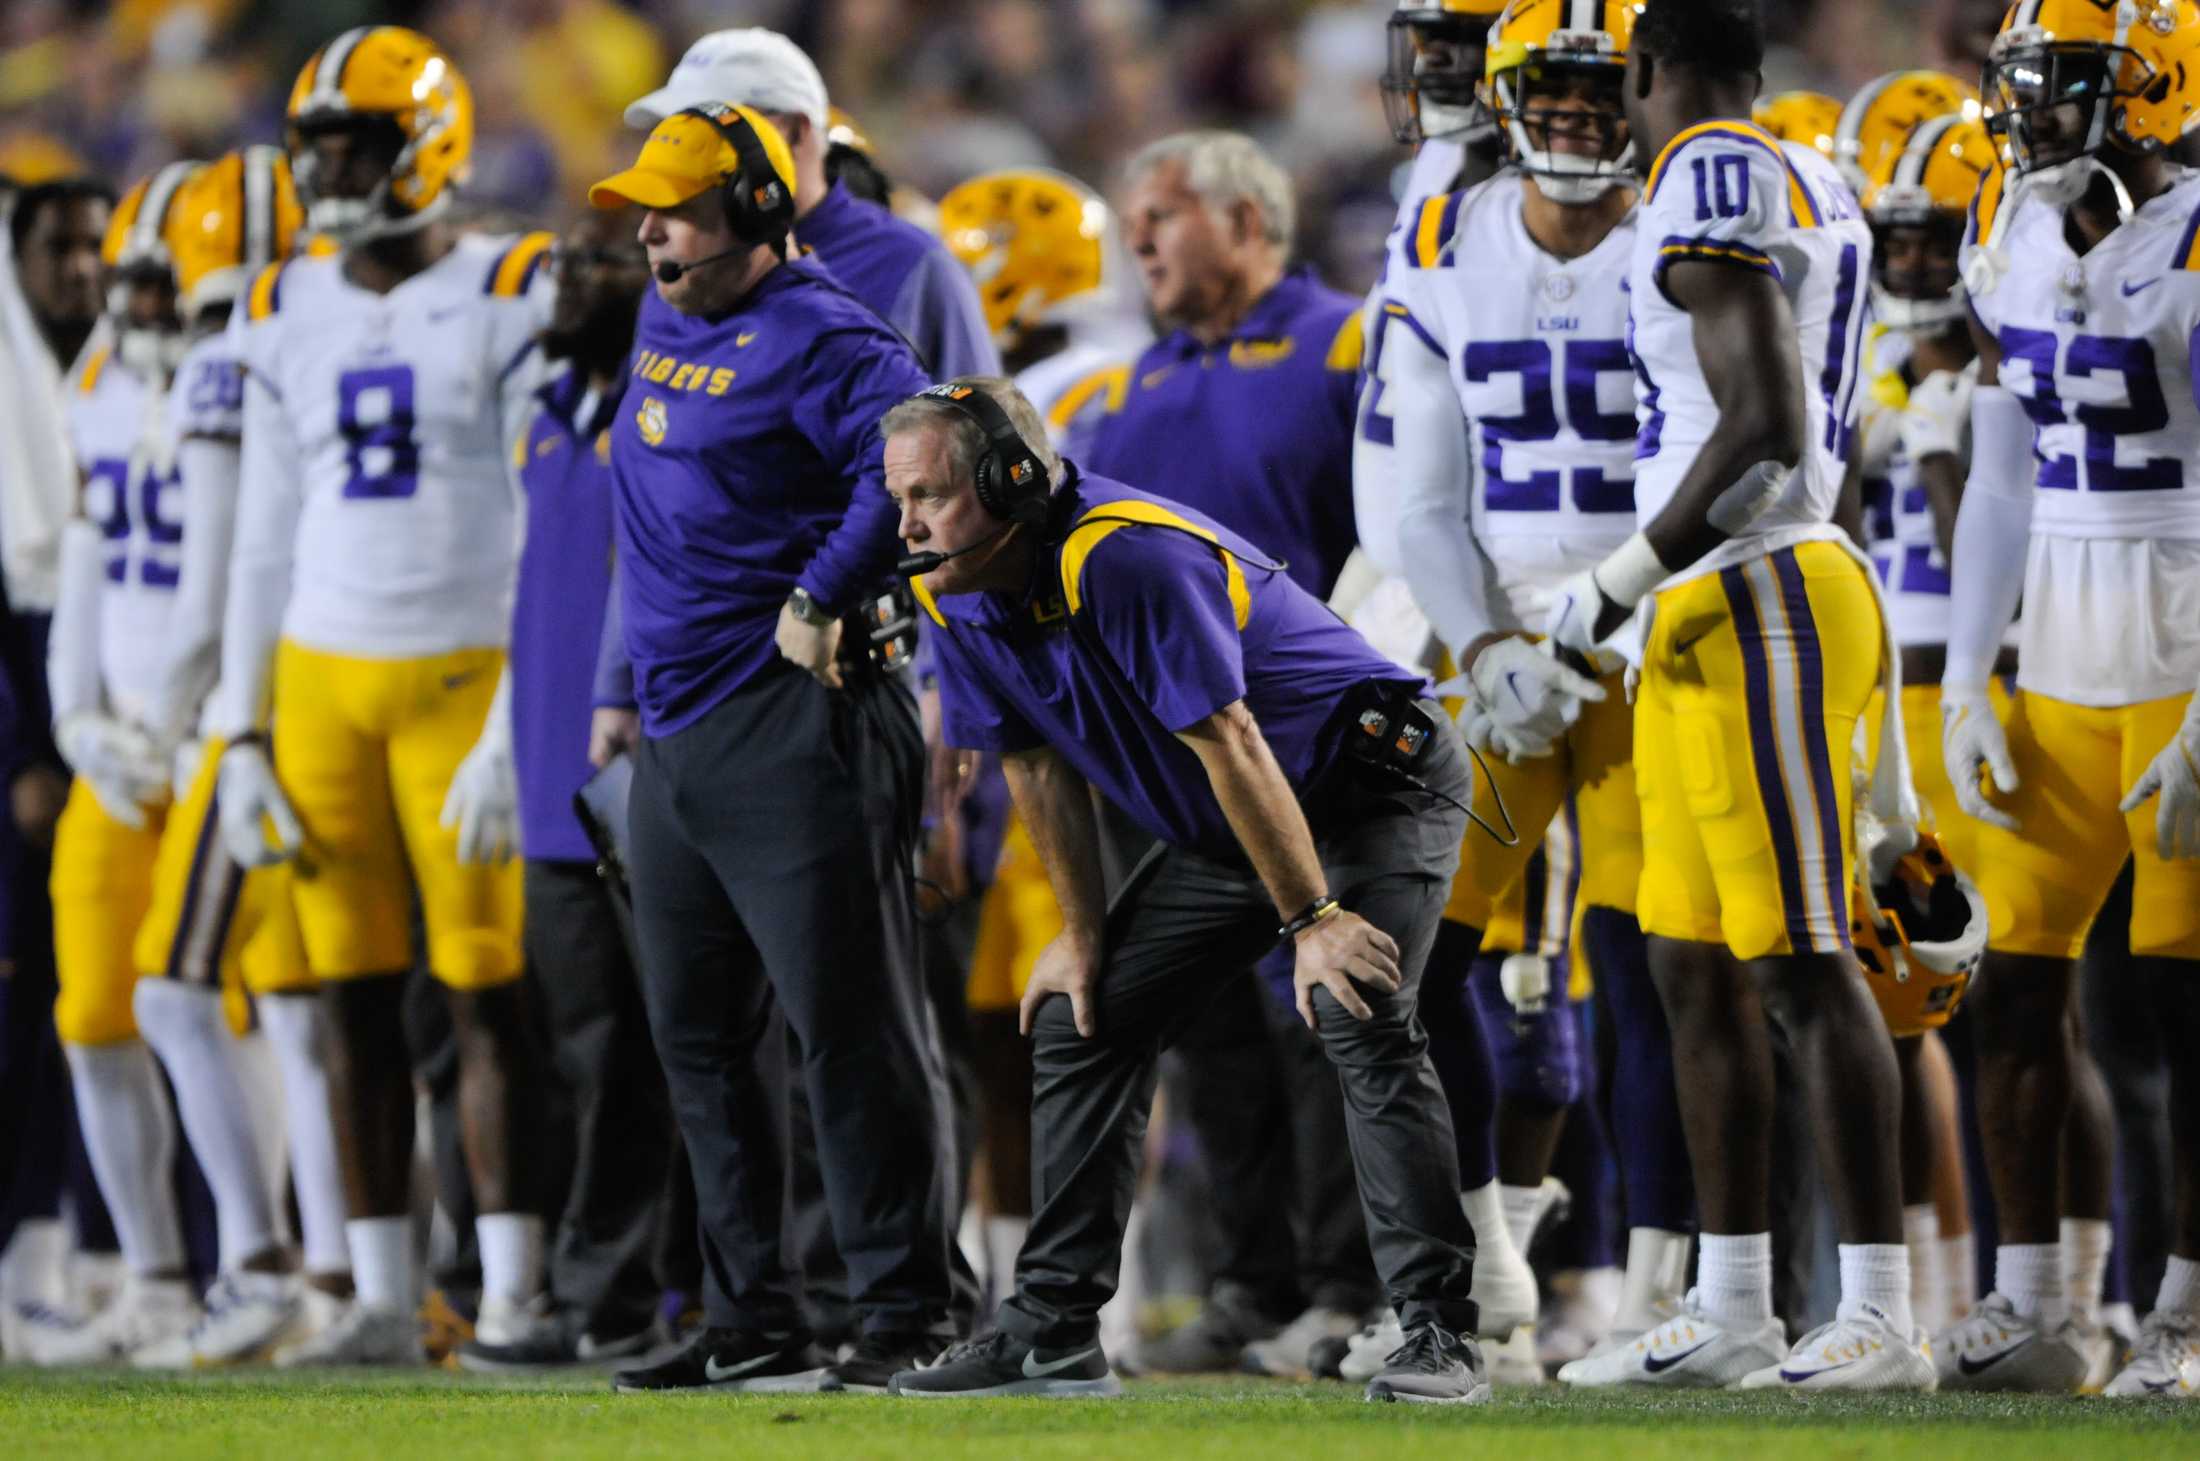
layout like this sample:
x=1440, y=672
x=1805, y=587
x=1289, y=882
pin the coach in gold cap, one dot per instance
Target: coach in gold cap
x=775, y=768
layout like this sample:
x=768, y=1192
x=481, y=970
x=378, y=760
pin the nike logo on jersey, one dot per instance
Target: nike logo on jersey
x=2131, y=289
x=743, y=338
x=1652, y=1364
x=448, y=312
x=717, y=1373
x=461, y=679
x=1033, y=1370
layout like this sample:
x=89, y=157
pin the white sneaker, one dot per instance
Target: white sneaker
x=1367, y=1350
x=1581, y=1317
x=1689, y=1350
x=2100, y=1350
x=2165, y=1361
x=1513, y=1362
x=147, y=1312
x=1859, y=1352
x=1995, y=1348
x=247, y=1315
x=1287, y=1354
x=360, y=1336
x=45, y=1334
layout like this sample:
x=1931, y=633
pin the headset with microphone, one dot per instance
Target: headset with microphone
x=1012, y=482
x=758, y=201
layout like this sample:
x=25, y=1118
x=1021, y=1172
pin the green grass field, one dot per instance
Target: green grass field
x=375, y=1416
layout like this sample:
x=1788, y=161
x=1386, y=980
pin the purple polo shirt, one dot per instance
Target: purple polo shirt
x=1136, y=631
x=557, y=613
x=1254, y=430
x=907, y=278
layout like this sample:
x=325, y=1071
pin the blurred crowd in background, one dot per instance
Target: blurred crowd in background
x=943, y=89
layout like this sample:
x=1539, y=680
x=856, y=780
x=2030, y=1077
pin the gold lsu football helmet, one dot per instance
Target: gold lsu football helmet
x=235, y=216
x=1808, y=117
x=1918, y=203
x=1545, y=48
x=387, y=79
x=1885, y=111
x=2067, y=77
x=135, y=250
x=1919, y=933
x=1432, y=85
x=1031, y=239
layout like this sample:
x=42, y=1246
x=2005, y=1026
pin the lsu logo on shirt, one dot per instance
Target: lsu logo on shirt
x=651, y=421
x=679, y=375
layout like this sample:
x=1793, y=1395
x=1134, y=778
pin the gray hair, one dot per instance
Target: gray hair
x=966, y=440
x=1224, y=168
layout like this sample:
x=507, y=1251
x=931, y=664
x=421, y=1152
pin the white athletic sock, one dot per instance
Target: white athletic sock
x=35, y=1268
x=1657, y=1270
x=2030, y=1277
x=1928, y=1295
x=1485, y=1209
x=2085, y=1247
x=261, y=1075
x=1522, y=1205
x=1878, y=1274
x=183, y=1023
x=383, y=1265
x=1734, y=1277
x=511, y=1255
x=130, y=1137
x=2180, y=1292
x=295, y=1025
x=1004, y=1239
x=1959, y=1274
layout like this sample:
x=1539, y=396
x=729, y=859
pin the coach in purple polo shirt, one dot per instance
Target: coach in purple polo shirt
x=1094, y=635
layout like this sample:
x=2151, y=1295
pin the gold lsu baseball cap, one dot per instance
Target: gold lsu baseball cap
x=686, y=155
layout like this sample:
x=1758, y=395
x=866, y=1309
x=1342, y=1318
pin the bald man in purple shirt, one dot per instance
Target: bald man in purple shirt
x=1301, y=790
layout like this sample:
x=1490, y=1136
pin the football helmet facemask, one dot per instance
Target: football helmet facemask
x=404, y=112
x=1432, y=85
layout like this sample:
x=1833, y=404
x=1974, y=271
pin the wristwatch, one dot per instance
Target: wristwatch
x=808, y=609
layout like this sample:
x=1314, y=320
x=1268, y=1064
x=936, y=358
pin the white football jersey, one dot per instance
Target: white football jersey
x=2099, y=349
x=400, y=410
x=117, y=429
x=1898, y=519
x=1535, y=347
x=1727, y=190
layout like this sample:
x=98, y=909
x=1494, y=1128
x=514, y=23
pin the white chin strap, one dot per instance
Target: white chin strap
x=1918, y=315
x=1440, y=121
x=1565, y=177
x=354, y=221
x=152, y=353
x=2065, y=183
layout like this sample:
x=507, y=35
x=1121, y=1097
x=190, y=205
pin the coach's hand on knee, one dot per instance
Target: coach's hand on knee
x=1337, y=951
x=1068, y=965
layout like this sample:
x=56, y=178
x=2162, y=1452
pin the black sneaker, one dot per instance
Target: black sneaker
x=877, y=1358
x=1001, y=1364
x=731, y=1359
x=1433, y=1367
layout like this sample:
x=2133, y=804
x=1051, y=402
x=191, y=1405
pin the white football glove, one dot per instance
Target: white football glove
x=250, y=796
x=1577, y=606
x=2174, y=777
x=1522, y=700
x=1971, y=741
x=483, y=802
x=1526, y=982
x=117, y=760
x=1937, y=417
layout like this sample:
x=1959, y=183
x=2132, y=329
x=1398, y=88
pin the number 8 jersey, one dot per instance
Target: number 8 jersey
x=381, y=425
x=2099, y=350
x=1728, y=191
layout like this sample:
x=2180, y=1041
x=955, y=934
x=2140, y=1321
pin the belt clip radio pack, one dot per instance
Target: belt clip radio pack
x=884, y=628
x=1390, y=733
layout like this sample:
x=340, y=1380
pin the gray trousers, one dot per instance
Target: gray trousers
x=766, y=840
x=1180, y=931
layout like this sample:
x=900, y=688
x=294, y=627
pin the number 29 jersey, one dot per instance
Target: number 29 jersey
x=1728, y=191
x=400, y=410
x=1535, y=346
x=2099, y=350
x=130, y=495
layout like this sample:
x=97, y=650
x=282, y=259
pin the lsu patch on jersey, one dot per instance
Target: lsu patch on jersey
x=1899, y=529
x=402, y=408
x=1728, y=191
x=131, y=494
x=1536, y=348
x=2098, y=347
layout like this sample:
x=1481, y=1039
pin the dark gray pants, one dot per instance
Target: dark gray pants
x=759, y=837
x=601, y=1259
x=1184, y=927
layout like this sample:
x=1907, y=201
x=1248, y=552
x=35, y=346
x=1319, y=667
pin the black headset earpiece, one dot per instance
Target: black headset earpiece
x=759, y=205
x=1012, y=482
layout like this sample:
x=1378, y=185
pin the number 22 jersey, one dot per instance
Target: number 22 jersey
x=393, y=416
x=1727, y=191
x=2098, y=348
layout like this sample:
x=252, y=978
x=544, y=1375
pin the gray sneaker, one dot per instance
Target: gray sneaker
x=1433, y=1367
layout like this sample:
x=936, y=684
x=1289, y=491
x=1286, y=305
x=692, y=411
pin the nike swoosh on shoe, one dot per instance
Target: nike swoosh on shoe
x=1970, y=1366
x=713, y=1373
x=1654, y=1365
x=1033, y=1370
